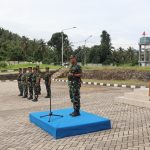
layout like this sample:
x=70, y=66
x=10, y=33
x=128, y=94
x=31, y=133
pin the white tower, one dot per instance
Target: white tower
x=144, y=51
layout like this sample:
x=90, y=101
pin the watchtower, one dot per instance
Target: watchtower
x=144, y=51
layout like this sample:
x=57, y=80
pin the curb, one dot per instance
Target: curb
x=94, y=83
x=105, y=84
x=8, y=80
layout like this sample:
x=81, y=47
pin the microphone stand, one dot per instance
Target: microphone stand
x=50, y=104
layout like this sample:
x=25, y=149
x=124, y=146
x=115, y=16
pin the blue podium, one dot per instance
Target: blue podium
x=65, y=126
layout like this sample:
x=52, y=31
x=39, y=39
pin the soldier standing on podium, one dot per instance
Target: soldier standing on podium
x=74, y=83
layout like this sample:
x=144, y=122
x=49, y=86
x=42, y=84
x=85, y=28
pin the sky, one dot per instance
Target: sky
x=124, y=20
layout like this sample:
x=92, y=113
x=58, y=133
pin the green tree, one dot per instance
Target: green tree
x=24, y=46
x=95, y=54
x=56, y=44
x=106, y=48
x=79, y=53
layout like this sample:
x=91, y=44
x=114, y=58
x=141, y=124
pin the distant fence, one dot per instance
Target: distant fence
x=95, y=65
x=99, y=65
x=19, y=62
x=39, y=63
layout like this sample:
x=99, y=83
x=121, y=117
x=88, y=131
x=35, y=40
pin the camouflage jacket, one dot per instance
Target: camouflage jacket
x=19, y=77
x=72, y=80
x=29, y=77
x=24, y=77
x=36, y=78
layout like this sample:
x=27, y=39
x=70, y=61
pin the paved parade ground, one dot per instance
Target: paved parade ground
x=130, y=124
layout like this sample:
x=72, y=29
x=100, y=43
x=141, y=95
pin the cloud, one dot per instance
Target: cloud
x=125, y=20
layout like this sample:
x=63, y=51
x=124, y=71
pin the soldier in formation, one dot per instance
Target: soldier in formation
x=38, y=70
x=24, y=83
x=36, y=84
x=47, y=78
x=20, y=87
x=29, y=83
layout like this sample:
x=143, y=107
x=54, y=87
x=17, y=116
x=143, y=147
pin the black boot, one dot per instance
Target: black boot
x=47, y=96
x=25, y=96
x=35, y=100
x=71, y=113
x=75, y=114
x=76, y=109
x=30, y=98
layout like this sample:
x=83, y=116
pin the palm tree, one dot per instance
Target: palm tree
x=24, y=45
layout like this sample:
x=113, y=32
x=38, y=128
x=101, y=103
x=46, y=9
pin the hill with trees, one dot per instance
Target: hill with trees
x=14, y=47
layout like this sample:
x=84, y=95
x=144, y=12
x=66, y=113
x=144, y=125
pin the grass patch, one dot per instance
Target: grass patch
x=42, y=66
x=122, y=82
x=117, y=68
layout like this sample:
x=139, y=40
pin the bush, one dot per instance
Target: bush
x=3, y=65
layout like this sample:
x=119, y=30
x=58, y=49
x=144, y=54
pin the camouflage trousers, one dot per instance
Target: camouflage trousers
x=20, y=87
x=48, y=88
x=30, y=88
x=36, y=90
x=25, y=89
x=39, y=88
x=74, y=92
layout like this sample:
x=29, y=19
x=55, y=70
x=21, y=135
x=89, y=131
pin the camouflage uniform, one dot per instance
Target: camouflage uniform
x=74, y=84
x=24, y=84
x=35, y=82
x=39, y=86
x=47, y=78
x=30, y=87
x=20, y=86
